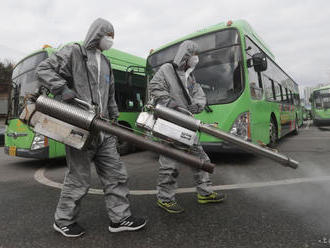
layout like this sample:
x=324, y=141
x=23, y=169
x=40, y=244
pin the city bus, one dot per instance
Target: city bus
x=320, y=101
x=248, y=93
x=130, y=86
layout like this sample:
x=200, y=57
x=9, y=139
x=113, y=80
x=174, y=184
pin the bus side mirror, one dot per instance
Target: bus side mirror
x=259, y=62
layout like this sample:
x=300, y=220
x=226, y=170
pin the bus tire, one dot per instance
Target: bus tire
x=273, y=133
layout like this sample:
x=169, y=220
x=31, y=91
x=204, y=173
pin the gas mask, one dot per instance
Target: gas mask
x=106, y=42
x=192, y=62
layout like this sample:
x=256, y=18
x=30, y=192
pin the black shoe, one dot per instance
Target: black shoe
x=211, y=198
x=71, y=231
x=129, y=224
x=172, y=207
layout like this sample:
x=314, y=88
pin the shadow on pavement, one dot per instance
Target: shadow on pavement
x=324, y=128
x=35, y=163
x=232, y=158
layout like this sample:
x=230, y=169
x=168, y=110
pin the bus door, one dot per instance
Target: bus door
x=130, y=92
x=137, y=81
x=294, y=111
x=285, y=112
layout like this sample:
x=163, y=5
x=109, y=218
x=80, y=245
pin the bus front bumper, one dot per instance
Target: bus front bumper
x=224, y=146
x=321, y=122
x=42, y=153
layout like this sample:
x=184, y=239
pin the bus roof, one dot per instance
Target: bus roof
x=47, y=49
x=119, y=60
x=242, y=25
x=322, y=88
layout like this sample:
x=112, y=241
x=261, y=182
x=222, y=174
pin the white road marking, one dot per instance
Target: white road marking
x=40, y=177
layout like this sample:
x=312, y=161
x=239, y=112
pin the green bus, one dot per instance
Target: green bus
x=320, y=101
x=248, y=94
x=130, y=86
x=307, y=112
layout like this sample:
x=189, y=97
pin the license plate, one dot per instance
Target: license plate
x=12, y=151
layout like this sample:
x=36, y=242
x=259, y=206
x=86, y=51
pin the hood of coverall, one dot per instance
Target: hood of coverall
x=96, y=31
x=187, y=49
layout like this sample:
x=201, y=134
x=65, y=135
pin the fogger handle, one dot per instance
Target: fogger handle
x=193, y=161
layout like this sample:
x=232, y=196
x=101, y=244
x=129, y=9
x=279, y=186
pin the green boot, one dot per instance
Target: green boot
x=172, y=207
x=211, y=198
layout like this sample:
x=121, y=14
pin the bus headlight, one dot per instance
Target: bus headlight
x=241, y=126
x=39, y=141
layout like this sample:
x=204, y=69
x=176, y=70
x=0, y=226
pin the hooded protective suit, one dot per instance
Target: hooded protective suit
x=65, y=70
x=164, y=89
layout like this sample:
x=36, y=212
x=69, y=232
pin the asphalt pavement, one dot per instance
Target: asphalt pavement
x=267, y=205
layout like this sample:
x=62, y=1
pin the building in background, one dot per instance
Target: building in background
x=307, y=94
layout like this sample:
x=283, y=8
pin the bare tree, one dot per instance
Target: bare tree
x=6, y=70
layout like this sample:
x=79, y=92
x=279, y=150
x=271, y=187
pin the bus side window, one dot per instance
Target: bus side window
x=294, y=99
x=256, y=92
x=278, y=92
x=291, y=98
x=268, y=88
x=318, y=103
x=298, y=99
x=254, y=77
x=282, y=95
x=273, y=89
x=285, y=95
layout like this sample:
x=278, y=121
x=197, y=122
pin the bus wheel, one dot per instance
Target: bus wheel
x=296, y=127
x=273, y=135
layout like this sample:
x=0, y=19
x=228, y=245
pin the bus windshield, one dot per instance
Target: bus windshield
x=130, y=100
x=24, y=81
x=322, y=99
x=219, y=70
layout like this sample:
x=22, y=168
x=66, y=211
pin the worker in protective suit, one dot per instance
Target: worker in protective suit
x=174, y=86
x=82, y=71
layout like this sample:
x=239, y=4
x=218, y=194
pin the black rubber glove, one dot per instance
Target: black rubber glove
x=68, y=94
x=193, y=108
x=114, y=121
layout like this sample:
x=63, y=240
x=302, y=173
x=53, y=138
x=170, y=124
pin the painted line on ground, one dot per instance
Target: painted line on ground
x=40, y=177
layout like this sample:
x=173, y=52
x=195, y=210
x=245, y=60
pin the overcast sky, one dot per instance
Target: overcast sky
x=297, y=31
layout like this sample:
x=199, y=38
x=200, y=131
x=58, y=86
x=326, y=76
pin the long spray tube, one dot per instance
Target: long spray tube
x=89, y=121
x=193, y=124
